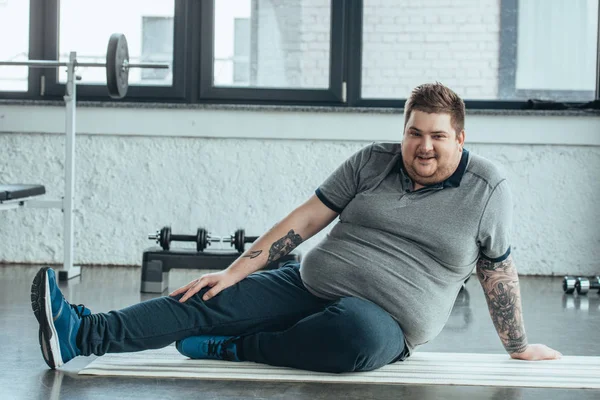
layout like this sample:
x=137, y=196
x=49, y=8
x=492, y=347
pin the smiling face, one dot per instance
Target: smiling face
x=431, y=148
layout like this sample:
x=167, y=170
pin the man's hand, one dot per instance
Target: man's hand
x=536, y=352
x=217, y=281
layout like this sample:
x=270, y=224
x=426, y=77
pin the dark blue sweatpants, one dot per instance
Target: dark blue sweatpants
x=279, y=321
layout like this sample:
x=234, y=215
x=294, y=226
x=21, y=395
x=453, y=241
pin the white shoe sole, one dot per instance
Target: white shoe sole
x=54, y=345
x=42, y=308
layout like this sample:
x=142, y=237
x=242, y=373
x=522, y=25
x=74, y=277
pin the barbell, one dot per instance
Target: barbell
x=117, y=65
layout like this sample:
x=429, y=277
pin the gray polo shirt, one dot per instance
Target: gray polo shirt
x=408, y=251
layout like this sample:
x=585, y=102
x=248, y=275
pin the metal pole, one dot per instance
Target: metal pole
x=148, y=65
x=125, y=64
x=36, y=63
x=56, y=64
x=598, y=58
x=69, y=271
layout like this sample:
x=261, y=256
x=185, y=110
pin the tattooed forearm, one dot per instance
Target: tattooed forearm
x=500, y=284
x=253, y=254
x=284, y=245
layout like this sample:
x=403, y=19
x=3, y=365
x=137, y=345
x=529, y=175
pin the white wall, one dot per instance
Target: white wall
x=230, y=169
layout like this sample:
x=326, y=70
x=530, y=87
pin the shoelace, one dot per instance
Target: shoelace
x=79, y=309
x=214, y=347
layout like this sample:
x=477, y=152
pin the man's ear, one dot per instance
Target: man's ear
x=460, y=138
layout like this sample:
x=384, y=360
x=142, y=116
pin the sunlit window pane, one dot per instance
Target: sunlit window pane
x=272, y=43
x=86, y=26
x=14, y=29
x=483, y=49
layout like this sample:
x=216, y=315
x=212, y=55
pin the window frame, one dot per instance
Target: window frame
x=597, y=97
x=508, y=62
x=193, y=64
x=37, y=10
x=257, y=95
x=98, y=92
x=506, y=75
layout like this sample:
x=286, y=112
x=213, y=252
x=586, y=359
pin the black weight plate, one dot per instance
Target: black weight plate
x=201, y=239
x=117, y=77
x=165, y=237
x=239, y=240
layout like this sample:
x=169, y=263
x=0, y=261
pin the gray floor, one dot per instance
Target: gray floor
x=569, y=324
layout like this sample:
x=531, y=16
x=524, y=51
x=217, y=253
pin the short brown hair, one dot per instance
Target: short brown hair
x=436, y=98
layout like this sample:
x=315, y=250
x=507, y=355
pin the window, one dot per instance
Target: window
x=14, y=28
x=406, y=43
x=347, y=53
x=483, y=49
x=147, y=25
x=272, y=50
x=550, y=63
x=285, y=44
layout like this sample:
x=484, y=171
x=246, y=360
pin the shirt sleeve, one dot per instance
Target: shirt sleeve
x=343, y=184
x=494, y=237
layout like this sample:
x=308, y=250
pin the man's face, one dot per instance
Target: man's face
x=431, y=149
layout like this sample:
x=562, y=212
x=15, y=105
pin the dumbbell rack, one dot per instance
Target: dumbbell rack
x=156, y=264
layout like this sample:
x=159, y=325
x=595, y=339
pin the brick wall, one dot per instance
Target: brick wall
x=405, y=43
x=292, y=43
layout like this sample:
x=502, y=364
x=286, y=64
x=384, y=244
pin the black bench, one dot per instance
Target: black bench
x=20, y=191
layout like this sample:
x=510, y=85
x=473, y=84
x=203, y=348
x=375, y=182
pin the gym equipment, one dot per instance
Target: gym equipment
x=239, y=239
x=157, y=262
x=117, y=66
x=164, y=237
x=12, y=195
x=202, y=238
x=583, y=285
x=568, y=284
x=477, y=369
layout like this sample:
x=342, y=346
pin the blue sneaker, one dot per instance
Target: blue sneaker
x=59, y=320
x=209, y=347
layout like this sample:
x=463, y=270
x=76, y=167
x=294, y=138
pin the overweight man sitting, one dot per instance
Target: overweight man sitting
x=414, y=219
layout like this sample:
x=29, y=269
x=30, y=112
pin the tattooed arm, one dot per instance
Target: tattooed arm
x=300, y=225
x=500, y=284
x=501, y=287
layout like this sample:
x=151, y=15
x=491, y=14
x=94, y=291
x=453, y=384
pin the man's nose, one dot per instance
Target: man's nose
x=426, y=144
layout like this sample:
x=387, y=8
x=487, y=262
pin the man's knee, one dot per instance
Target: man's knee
x=367, y=339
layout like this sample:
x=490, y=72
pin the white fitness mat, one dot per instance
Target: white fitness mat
x=421, y=368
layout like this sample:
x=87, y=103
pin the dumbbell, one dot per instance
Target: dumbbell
x=568, y=284
x=239, y=239
x=584, y=285
x=581, y=284
x=164, y=237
